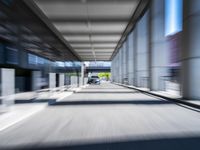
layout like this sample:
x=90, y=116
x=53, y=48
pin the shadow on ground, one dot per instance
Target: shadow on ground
x=182, y=143
x=20, y=101
x=112, y=102
x=107, y=92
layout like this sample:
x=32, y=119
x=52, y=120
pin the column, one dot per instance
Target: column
x=36, y=80
x=7, y=86
x=130, y=59
x=82, y=73
x=142, y=51
x=159, y=50
x=74, y=81
x=52, y=80
x=61, y=79
x=124, y=62
x=120, y=66
x=191, y=52
x=117, y=68
x=112, y=69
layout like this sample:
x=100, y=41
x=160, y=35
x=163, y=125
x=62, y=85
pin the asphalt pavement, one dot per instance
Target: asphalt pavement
x=107, y=117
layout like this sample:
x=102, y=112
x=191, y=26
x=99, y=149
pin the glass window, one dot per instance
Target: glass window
x=32, y=59
x=173, y=16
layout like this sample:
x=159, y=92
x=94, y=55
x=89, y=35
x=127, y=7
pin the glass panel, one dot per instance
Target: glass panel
x=173, y=16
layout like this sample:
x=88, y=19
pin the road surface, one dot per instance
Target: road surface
x=107, y=117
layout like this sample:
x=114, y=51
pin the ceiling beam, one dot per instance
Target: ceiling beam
x=95, y=51
x=95, y=48
x=81, y=1
x=92, y=33
x=85, y=20
x=93, y=42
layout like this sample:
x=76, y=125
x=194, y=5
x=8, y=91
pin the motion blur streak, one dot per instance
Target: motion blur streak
x=100, y=74
x=107, y=116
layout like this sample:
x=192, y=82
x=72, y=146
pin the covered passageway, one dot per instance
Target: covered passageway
x=99, y=74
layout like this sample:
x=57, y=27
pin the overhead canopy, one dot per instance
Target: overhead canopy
x=93, y=28
x=25, y=28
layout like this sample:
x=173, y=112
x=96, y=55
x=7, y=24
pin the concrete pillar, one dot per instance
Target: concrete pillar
x=7, y=86
x=191, y=52
x=36, y=80
x=159, y=50
x=52, y=80
x=74, y=81
x=61, y=79
x=120, y=66
x=130, y=59
x=85, y=80
x=82, y=73
x=78, y=78
x=112, y=69
x=124, y=63
x=117, y=68
x=142, y=51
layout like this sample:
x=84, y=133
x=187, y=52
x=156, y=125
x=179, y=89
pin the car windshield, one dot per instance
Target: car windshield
x=96, y=77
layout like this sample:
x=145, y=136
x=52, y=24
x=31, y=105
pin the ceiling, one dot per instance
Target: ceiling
x=24, y=27
x=93, y=28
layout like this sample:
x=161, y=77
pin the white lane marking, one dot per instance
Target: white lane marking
x=14, y=117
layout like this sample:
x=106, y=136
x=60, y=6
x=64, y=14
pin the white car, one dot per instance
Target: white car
x=93, y=80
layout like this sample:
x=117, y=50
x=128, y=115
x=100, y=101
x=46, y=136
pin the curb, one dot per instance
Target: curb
x=176, y=100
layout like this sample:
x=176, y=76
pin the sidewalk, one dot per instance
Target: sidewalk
x=177, y=99
x=30, y=103
x=17, y=113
